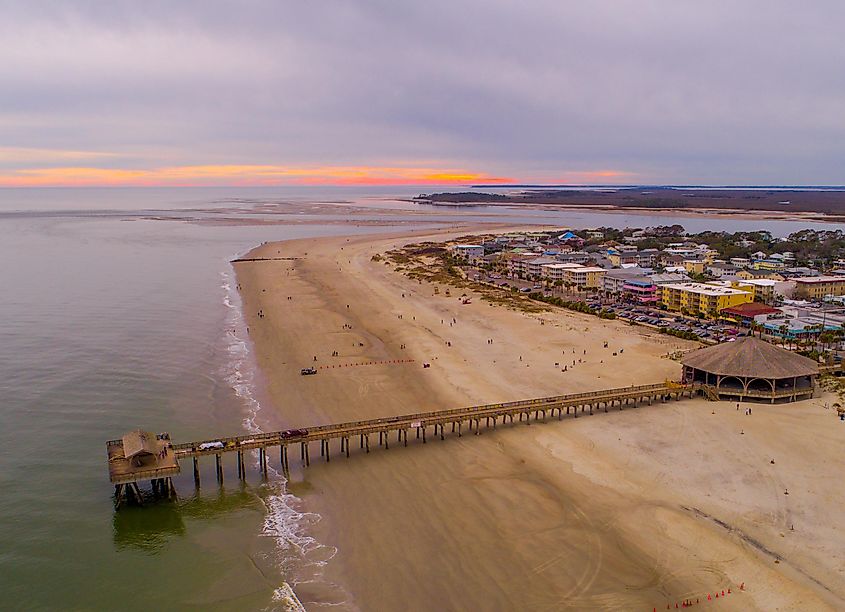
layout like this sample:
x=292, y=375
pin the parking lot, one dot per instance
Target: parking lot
x=712, y=331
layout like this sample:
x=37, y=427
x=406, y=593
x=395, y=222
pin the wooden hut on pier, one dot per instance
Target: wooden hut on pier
x=139, y=456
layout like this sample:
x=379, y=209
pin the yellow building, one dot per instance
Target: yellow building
x=763, y=289
x=701, y=298
x=767, y=264
x=817, y=287
x=694, y=266
x=758, y=274
x=586, y=277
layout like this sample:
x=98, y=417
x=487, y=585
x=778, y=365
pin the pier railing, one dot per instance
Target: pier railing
x=248, y=441
x=125, y=476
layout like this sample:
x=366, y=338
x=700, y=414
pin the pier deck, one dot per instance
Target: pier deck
x=160, y=471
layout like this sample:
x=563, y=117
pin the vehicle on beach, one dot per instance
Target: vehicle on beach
x=211, y=446
x=308, y=371
x=293, y=433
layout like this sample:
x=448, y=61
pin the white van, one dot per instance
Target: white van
x=210, y=446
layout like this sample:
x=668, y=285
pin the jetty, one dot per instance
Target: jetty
x=141, y=456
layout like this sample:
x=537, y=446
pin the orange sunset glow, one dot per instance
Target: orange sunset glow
x=216, y=175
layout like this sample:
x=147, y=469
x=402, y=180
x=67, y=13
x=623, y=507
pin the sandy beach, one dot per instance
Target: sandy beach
x=629, y=510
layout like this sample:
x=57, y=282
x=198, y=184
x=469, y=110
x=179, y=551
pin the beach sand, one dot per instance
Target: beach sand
x=628, y=510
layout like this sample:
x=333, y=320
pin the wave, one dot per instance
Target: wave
x=299, y=556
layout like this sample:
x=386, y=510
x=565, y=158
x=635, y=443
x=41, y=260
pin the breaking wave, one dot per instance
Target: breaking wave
x=299, y=556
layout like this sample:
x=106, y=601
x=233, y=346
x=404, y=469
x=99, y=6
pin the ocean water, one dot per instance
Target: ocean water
x=107, y=324
x=111, y=320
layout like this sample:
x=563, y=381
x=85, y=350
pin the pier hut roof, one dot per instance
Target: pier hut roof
x=751, y=357
x=139, y=443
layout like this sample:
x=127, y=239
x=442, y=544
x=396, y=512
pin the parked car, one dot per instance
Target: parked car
x=308, y=371
x=293, y=433
x=211, y=445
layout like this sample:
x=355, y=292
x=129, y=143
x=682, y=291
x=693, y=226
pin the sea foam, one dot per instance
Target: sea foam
x=298, y=555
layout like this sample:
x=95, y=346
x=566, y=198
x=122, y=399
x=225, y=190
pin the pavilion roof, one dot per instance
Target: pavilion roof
x=750, y=357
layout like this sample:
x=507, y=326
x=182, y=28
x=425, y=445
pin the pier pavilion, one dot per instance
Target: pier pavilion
x=751, y=368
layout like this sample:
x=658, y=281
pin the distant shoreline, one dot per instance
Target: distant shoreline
x=818, y=205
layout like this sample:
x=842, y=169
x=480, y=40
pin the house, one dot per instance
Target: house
x=671, y=259
x=694, y=266
x=721, y=269
x=618, y=258
x=803, y=271
x=758, y=274
x=740, y=262
x=648, y=257
x=595, y=235
x=769, y=264
x=570, y=238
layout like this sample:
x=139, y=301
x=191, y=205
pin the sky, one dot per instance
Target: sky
x=270, y=92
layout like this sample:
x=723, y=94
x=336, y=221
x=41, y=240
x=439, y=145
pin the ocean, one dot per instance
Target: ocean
x=118, y=311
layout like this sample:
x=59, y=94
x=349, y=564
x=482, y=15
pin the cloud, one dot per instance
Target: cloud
x=670, y=91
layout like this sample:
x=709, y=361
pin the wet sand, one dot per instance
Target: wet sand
x=627, y=510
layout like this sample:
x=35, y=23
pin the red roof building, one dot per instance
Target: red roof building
x=746, y=312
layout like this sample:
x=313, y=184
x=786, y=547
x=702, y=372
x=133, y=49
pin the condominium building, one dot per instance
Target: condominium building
x=817, y=287
x=585, y=276
x=701, y=298
x=469, y=252
x=557, y=271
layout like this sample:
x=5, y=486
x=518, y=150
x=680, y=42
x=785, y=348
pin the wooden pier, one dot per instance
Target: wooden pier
x=163, y=457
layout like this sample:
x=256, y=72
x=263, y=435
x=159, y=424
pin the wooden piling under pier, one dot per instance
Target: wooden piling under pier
x=125, y=475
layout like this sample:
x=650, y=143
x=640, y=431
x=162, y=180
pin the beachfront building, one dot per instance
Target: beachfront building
x=534, y=267
x=640, y=290
x=701, y=299
x=751, y=368
x=586, y=277
x=748, y=313
x=614, y=280
x=557, y=271
x=816, y=288
x=516, y=262
x=468, y=252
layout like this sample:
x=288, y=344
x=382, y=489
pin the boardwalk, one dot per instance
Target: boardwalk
x=459, y=421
